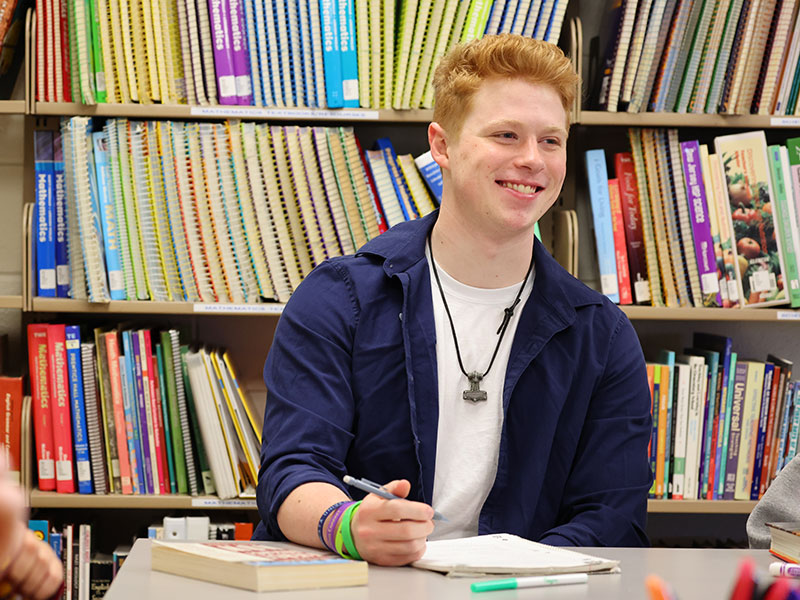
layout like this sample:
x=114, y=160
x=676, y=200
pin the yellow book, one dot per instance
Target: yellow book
x=376, y=57
x=116, y=53
x=661, y=447
x=363, y=48
x=109, y=67
x=358, y=178
x=442, y=44
x=387, y=53
x=402, y=53
x=139, y=57
x=751, y=409
x=346, y=191
x=421, y=29
x=477, y=17
x=173, y=80
x=294, y=219
x=713, y=221
x=150, y=57
x=251, y=233
x=328, y=174
x=304, y=199
x=250, y=416
x=316, y=187
x=430, y=42
x=419, y=191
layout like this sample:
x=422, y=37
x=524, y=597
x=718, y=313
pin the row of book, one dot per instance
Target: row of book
x=87, y=574
x=314, y=53
x=713, y=56
x=210, y=212
x=136, y=412
x=677, y=225
x=723, y=426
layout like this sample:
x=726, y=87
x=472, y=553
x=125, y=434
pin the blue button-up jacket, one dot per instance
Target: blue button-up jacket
x=352, y=388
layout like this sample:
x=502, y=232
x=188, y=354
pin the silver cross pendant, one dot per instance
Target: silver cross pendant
x=474, y=393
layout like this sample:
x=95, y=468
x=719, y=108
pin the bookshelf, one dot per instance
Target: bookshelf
x=668, y=321
x=39, y=499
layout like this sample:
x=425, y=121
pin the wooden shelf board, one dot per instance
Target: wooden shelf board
x=178, y=111
x=11, y=302
x=12, y=107
x=39, y=499
x=665, y=119
x=643, y=313
x=160, y=308
x=743, y=507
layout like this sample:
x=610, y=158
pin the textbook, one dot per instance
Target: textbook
x=506, y=554
x=257, y=566
x=785, y=541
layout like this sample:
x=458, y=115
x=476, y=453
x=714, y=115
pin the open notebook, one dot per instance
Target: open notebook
x=504, y=553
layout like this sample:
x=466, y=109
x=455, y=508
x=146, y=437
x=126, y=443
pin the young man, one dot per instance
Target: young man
x=454, y=358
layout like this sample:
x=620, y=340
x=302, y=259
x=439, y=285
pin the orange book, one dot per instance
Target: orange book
x=60, y=410
x=117, y=402
x=242, y=531
x=661, y=448
x=10, y=423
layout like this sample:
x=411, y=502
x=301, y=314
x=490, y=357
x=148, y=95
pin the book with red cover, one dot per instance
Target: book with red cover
x=620, y=247
x=60, y=409
x=117, y=403
x=154, y=408
x=634, y=237
x=42, y=416
x=10, y=423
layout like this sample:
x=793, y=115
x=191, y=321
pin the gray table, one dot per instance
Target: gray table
x=695, y=574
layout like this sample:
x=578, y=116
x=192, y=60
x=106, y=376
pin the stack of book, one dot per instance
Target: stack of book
x=136, y=412
x=723, y=426
x=208, y=212
x=680, y=225
x=311, y=53
x=726, y=56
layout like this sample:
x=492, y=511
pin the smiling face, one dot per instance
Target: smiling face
x=505, y=167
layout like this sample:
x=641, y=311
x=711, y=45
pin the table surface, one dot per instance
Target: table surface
x=694, y=574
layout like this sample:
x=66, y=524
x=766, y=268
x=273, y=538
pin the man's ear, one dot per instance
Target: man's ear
x=437, y=139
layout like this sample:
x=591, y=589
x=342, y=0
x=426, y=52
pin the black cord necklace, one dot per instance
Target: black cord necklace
x=475, y=393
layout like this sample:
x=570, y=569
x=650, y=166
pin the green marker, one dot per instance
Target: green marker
x=523, y=582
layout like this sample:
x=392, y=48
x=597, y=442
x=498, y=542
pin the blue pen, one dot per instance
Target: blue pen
x=365, y=485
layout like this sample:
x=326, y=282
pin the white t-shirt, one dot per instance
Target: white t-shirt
x=468, y=437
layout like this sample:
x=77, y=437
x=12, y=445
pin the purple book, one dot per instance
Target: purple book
x=701, y=228
x=739, y=384
x=762, y=430
x=240, y=52
x=219, y=15
x=140, y=402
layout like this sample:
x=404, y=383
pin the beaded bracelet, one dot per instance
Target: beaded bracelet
x=347, y=547
x=324, y=516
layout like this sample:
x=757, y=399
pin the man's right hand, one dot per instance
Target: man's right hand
x=392, y=532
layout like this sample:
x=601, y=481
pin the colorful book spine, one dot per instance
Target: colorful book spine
x=60, y=217
x=154, y=406
x=634, y=236
x=168, y=433
x=240, y=53
x=701, y=228
x=145, y=432
x=431, y=173
x=80, y=436
x=129, y=399
x=735, y=435
x=603, y=231
x=45, y=197
x=60, y=409
x=331, y=55
x=41, y=397
x=118, y=408
x=219, y=15
x=763, y=419
x=620, y=250
x=111, y=239
x=783, y=209
x=348, y=53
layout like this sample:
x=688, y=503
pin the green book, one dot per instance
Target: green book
x=477, y=17
x=783, y=212
x=165, y=365
x=98, y=68
x=168, y=431
x=202, y=458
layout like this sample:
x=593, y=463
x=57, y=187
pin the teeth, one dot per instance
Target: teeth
x=524, y=189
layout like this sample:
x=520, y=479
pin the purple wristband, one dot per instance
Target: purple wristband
x=324, y=516
x=329, y=535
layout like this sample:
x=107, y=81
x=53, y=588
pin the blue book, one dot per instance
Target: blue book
x=162, y=389
x=597, y=174
x=44, y=209
x=116, y=279
x=763, y=415
x=144, y=434
x=80, y=437
x=130, y=402
x=712, y=360
x=41, y=528
x=56, y=542
x=431, y=173
x=794, y=437
x=60, y=216
x=791, y=400
x=348, y=54
x=132, y=427
x=331, y=55
x=398, y=180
